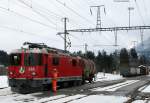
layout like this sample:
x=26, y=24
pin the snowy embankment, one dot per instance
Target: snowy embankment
x=3, y=81
x=108, y=77
x=145, y=89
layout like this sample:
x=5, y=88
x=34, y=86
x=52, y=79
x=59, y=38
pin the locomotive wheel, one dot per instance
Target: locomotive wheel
x=46, y=87
x=83, y=80
x=75, y=83
x=24, y=89
x=79, y=83
x=14, y=89
x=20, y=90
x=64, y=84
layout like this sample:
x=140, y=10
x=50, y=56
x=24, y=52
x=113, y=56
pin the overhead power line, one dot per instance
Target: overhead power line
x=98, y=45
x=20, y=15
x=49, y=12
x=37, y=12
x=139, y=12
x=25, y=32
x=74, y=12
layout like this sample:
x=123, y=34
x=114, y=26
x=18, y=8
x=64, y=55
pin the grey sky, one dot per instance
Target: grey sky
x=48, y=14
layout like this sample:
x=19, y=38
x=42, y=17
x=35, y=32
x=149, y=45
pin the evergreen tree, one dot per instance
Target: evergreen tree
x=142, y=60
x=4, y=58
x=98, y=61
x=133, y=58
x=90, y=55
x=124, y=57
x=133, y=53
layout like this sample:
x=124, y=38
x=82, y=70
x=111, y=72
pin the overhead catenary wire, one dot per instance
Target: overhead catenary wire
x=26, y=32
x=72, y=20
x=49, y=12
x=69, y=8
x=139, y=12
x=20, y=15
x=37, y=12
x=44, y=12
x=80, y=5
x=145, y=7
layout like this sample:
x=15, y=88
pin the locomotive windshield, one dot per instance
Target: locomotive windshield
x=32, y=59
x=15, y=59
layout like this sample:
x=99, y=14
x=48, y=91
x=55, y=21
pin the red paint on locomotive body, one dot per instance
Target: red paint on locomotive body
x=37, y=65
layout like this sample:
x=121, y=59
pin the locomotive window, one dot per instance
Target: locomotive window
x=33, y=59
x=55, y=61
x=15, y=59
x=74, y=62
x=80, y=63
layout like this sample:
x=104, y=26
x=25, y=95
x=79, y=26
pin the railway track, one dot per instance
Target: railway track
x=70, y=98
x=66, y=96
x=4, y=88
x=115, y=86
x=138, y=95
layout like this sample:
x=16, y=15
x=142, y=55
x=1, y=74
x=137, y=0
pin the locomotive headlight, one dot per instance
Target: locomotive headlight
x=10, y=73
x=33, y=73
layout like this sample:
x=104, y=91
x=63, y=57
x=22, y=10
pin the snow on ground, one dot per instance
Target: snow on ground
x=101, y=99
x=3, y=81
x=115, y=86
x=6, y=91
x=146, y=90
x=139, y=101
x=66, y=99
x=108, y=77
x=63, y=98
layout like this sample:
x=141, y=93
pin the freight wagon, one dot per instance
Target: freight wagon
x=133, y=71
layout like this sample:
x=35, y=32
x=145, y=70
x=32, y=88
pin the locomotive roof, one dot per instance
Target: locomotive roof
x=42, y=48
x=37, y=50
x=29, y=51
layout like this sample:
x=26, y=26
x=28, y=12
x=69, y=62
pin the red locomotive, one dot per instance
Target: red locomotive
x=32, y=68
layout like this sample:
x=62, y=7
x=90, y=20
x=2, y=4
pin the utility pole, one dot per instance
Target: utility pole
x=130, y=8
x=134, y=44
x=116, y=39
x=99, y=21
x=65, y=33
x=142, y=37
x=86, y=48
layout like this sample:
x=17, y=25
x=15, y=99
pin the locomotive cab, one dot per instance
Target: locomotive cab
x=27, y=67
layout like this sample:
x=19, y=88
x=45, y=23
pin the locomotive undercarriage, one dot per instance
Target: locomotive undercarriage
x=29, y=85
x=25, y=85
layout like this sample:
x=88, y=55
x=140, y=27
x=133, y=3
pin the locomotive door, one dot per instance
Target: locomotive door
x=55, y=62
x=46, y=65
